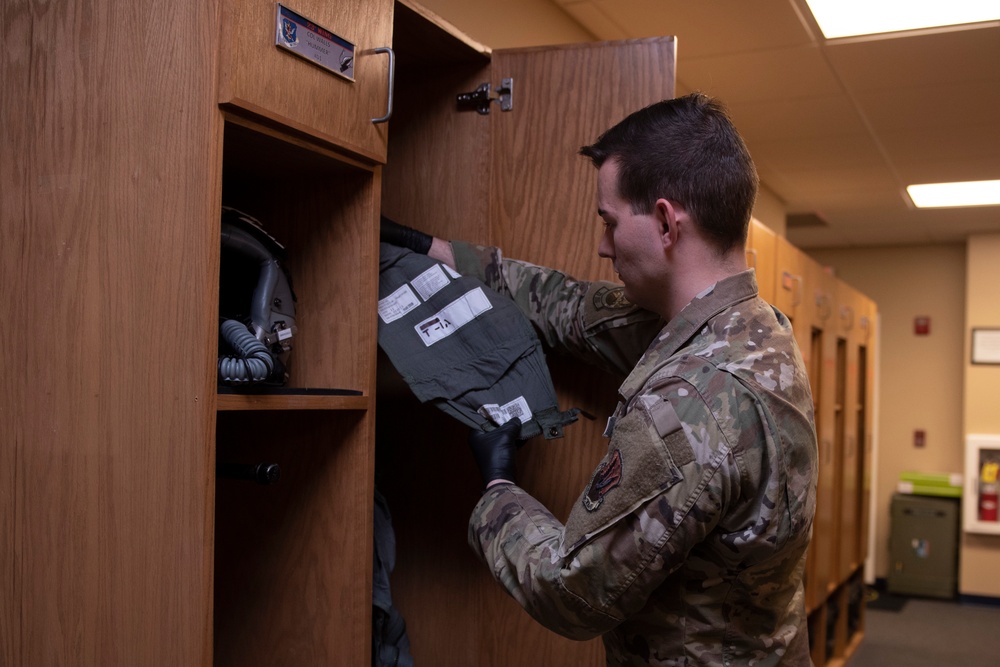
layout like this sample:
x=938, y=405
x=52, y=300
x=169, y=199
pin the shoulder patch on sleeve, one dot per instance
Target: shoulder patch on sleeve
x=607, y=302
x=607, y=477
x=610, y=298
x=636, y=468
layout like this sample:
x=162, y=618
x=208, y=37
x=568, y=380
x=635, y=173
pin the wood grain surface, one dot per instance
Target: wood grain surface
x=293, y=560
x=260, y=78
x=110, y=208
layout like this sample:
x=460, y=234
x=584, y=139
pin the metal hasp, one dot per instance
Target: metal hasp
x=479, y=100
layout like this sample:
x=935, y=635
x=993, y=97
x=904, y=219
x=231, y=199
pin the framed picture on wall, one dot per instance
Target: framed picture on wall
x=986, y=346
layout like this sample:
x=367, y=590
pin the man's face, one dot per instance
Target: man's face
x=633, y=242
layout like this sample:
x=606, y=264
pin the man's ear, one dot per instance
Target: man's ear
x=667, y=214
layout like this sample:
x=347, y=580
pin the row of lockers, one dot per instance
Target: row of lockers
x=834, y=325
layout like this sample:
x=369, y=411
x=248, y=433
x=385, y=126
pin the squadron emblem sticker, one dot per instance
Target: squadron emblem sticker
x=611, y=298
x=607, y=477
x=289, y=32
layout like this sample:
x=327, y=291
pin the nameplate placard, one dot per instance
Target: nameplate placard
x=299, y=35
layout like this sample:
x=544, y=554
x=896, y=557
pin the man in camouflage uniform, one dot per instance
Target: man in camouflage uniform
x=688, y=545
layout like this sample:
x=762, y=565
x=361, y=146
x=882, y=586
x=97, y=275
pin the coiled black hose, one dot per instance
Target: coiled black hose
x=252, y=362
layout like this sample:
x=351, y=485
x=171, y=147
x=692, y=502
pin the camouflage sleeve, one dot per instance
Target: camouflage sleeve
x=659, y=493
x=590, y=320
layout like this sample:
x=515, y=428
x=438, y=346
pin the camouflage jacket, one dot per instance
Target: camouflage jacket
x=688, y=544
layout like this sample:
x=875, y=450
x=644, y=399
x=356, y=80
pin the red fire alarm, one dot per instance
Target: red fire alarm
x=919, y=438
x=922, y=325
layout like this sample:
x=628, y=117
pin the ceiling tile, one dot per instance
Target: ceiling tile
x=590, y=16
x=711, y=28
x=832, y=184
x=918, y=60
x=797, y=118
x=922, y=226
x=819, y=153
x=950, y=171
x=840, y=206
x=941, y=106
x=761, y=76
x=950, y=142
x=876, y=233
x=817, y=237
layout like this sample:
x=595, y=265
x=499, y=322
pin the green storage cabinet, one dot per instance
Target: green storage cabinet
x=923, y=546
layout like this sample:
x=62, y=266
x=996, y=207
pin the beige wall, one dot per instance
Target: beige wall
x=980, y=555
x=920, y=377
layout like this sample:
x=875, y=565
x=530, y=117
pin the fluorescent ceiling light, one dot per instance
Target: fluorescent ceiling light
x=941, y=195
x=846, y=18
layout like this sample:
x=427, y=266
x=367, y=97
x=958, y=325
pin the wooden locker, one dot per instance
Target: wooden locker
x=867, y=359
x=850, y=309
x=761, y=257
x=799, y=294
x=840, y=360
x=789, y=284
x=513, y=179
x=109, y=260
x=293, y=573
x=818, y=310
x=117, y=422
x=293, y=560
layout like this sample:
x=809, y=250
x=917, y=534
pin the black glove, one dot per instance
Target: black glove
x=403, y=236
x=494, y=451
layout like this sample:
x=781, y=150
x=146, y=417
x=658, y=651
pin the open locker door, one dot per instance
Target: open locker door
x=544, y=205
x=543, y=209
x=511, y=178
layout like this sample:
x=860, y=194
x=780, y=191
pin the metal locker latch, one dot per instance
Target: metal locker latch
x=479, y=100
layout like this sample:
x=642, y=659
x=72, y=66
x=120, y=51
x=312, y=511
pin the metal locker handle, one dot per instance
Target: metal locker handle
x=392, y=82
